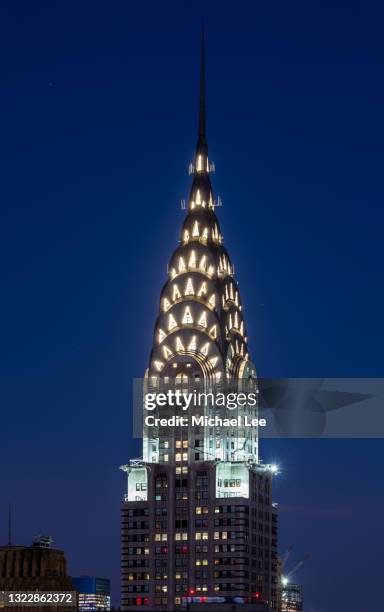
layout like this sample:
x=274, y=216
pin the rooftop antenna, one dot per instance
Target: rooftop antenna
x=9, y=525
x=202, y=137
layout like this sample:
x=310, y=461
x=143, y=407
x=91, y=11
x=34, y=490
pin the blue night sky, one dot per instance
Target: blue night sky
x=98, y=126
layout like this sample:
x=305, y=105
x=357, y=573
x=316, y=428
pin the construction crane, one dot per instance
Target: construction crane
x=285, y=579
x=286, y=556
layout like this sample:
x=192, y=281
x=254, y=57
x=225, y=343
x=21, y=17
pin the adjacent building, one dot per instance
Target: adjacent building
x=198, y=522
x=34, y=568
x=93, y=593
x=291, y=597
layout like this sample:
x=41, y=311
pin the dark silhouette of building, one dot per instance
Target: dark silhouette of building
x=34, y=568
x=198, y=520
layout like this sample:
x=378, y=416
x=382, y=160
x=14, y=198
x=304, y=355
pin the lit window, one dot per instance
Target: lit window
x=203, y=262
x=171, y=322
x=166, y=304
x=187, y=319
x=182, y=267
x=175, y=293
x=212, y=300
x=192, y=260
x=166, y=351
x=204, y=349
x=189, y=290
x=195, y=230
x=192, y=344
x=181, y=379
x=202, y=290
x=213, y=332
x=203, y=320
x=179, y=344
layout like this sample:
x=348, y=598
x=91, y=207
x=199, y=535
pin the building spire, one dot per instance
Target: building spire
x=202, y=142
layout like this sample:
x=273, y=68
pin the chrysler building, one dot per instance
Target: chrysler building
x=198, y=521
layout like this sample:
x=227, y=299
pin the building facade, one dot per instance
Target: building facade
x=291, y=597
x=198, y=521
x=93, y=593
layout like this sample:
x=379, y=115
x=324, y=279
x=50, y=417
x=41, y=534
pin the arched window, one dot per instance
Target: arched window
x=181, y=379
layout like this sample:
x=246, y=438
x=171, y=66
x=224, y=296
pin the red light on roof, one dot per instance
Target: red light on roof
x=257, y=595
x=146, y=601
x=191, y=591
x=138, y=601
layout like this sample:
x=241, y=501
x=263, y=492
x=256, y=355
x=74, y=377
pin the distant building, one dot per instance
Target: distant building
x=34, y=568
x=291, y=597
x=93, y=593
x=228, y=606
